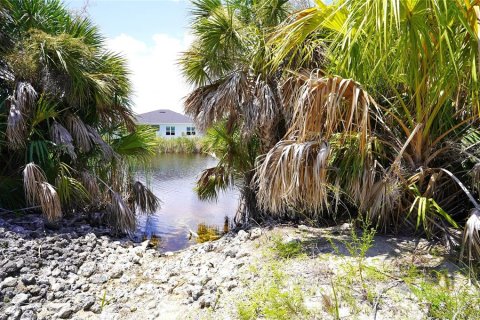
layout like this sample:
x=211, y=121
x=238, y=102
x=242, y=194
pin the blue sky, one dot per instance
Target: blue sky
x=151, y=35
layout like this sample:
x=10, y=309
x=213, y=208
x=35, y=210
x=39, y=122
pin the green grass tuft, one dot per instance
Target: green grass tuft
x=287, y=250
x=443, y=299
x=273, y=299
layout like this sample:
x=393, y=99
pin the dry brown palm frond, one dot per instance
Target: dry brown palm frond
x=119, y=214
x=39, y=192
x=294, y=174
x=79, y=132
x=20, y=108
x=262, y=112
x=144, y=198
x=328, y=105
x=50, y=201
x=62, y=137
x=475, y=173
x=90, y=183
x=219, y=100
x=330, y=124
x=120, y=113
x=25, y=96
x=471, y=237
x=33, y=176
x=16, y=127
x=264, y=107
x=106, y=149
x=381, y=200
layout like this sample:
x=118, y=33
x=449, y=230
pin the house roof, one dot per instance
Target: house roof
x=163, y=116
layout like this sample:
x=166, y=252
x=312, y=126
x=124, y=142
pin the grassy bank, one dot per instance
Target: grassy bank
x=180, y=145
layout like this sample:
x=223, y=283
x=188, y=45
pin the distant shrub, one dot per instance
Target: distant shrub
x=180, y=145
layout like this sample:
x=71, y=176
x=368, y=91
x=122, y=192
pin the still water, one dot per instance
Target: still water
x=172, y=178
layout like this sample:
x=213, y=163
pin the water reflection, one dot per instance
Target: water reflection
x=211, y=233
x=172, y=178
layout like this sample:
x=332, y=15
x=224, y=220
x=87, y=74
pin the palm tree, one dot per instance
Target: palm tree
x=228, y=63
x=65, y=116
x=389, y=122
x=236, y=163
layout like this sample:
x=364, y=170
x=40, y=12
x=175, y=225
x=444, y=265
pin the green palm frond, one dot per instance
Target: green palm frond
x=196, y=66
x=427, y=210
x=212, y=181
x=39, y=14
x=45, y=109
x=38, y=152
x=204, y=8
x=70, y=190
x=140, y=144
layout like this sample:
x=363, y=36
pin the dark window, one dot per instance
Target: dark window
x=170, y=131
x=190, y=131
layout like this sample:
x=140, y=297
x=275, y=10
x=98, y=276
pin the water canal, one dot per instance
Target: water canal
x=172, y=178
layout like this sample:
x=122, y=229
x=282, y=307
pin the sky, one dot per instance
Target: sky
x=151, y=34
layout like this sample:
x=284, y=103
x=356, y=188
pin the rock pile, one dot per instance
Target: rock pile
x=77, y=271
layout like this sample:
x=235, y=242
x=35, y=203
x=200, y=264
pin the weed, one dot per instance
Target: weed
x=19, y=213
x=287, y=250
x=253, y=269
x=104, y=301
x=443, y=299
x=273, y=299
x=3, y=244
x=359, y=246
x=334, y=309
x=345, y=284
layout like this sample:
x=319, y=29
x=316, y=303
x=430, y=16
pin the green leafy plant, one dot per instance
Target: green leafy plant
x=287, y=250
x=273, y=299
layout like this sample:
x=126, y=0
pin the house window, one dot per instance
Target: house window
x=190, y=131
x=170, y=131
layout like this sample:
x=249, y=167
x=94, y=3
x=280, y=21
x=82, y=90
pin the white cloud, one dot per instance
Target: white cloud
x=156, y=77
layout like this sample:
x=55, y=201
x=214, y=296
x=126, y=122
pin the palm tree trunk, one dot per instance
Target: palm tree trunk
x=248, y=210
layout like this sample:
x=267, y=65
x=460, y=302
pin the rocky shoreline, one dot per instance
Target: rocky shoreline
x=52, y=271
x=80, y=272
